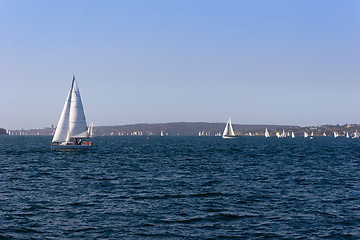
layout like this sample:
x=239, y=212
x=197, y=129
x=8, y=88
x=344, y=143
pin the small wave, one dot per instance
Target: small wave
x=211, y=194
x=236, y=149
x=85, y=229
x=218, y=217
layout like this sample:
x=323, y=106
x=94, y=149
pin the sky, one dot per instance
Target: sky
x=142, y=61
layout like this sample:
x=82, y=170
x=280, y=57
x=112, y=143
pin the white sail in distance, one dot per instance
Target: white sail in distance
x=267, y=134
x=91, y=130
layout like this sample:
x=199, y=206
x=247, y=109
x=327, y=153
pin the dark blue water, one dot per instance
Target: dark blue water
x=181, y=188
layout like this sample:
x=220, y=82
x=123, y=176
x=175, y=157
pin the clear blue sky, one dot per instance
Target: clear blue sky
x=258, y=61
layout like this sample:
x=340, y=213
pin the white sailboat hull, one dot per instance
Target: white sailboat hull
x=69, y=146
x=229, y=137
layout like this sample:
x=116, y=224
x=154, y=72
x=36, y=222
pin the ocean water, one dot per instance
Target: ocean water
x=181, y=188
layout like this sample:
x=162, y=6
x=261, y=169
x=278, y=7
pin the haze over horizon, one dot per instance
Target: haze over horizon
x=260, y=62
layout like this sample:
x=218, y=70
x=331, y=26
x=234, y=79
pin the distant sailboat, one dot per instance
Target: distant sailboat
x=336, y=134
x=324, y=134
x=282, y=135
x=91, y=130
x=72, y=123
x=292, y=134
x=267, y=134
x=312, y=135
x=228, y=131
x=162, y=133
x=306, y=134
x=356, y=134
x=347, y=135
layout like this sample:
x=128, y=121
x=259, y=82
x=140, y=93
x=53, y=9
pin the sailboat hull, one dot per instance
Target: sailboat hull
x=229, y=137
x=60, y=147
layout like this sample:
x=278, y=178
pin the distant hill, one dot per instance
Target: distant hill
x=193, y=129
x=2, y=131
x=181, y=128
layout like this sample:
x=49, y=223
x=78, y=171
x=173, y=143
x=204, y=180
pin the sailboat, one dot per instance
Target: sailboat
x=283, y=134
x=267, y=134
x=356, y=134
x=72, y=124
x=347, y=135
x=306, y=134
x=312, y=135
x=228, y=131
x=91, y=130
x=336, y=134
x=292, y=134
x=162, y=133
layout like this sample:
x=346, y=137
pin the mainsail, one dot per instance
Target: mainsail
x=72, y=123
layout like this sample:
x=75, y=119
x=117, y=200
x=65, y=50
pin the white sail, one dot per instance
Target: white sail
x=292, y=134
x=77, y=122
x=91, y=130
x=347, y=135
x=226, y=130
x=267, y=133
x=356, y=134
x=62, y=128
x=336, y=134
x=306, y=134
x=231, y=130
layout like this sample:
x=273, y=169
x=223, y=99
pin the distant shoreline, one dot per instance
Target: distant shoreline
x=195, y=129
